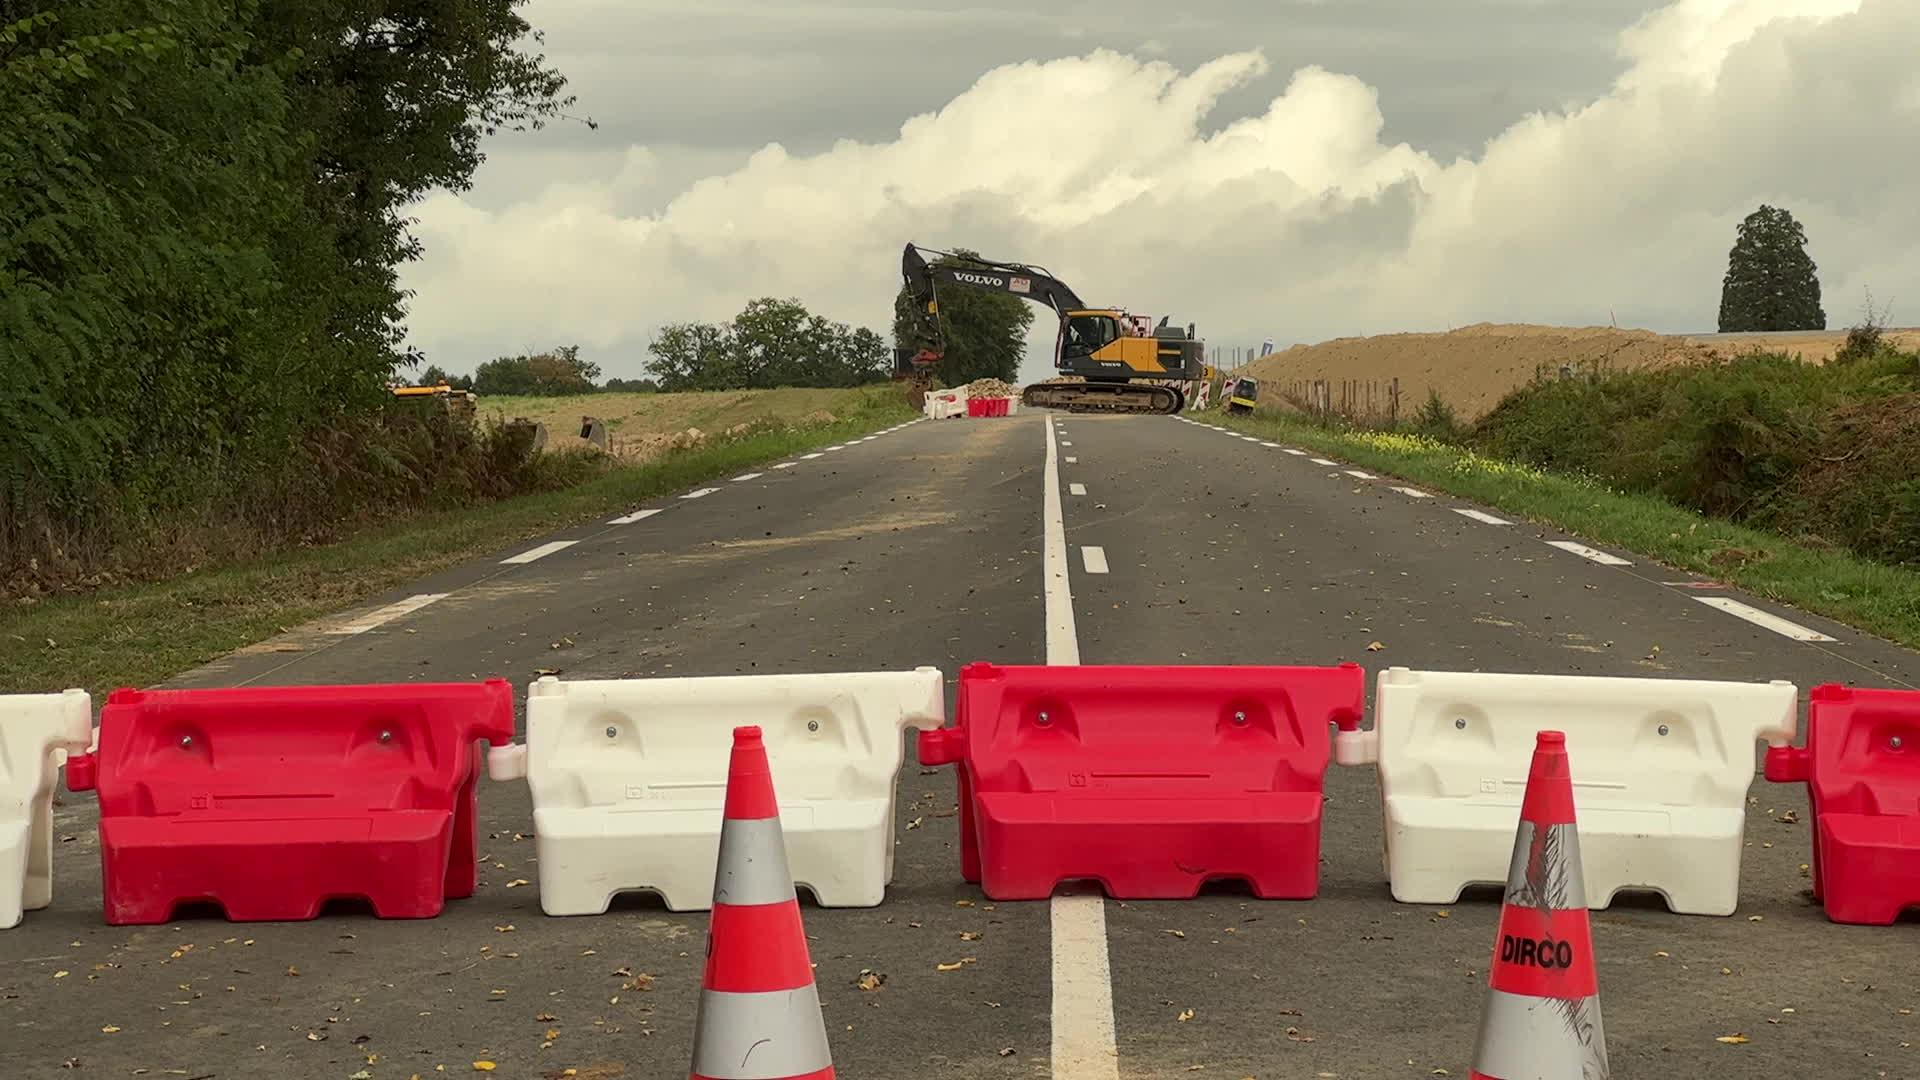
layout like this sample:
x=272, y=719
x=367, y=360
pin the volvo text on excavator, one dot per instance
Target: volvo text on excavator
x=1127, y=363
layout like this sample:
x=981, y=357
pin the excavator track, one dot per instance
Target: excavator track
x=1107, y=397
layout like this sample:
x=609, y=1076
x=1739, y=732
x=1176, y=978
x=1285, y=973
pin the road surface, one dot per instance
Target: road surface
x=1172, y=542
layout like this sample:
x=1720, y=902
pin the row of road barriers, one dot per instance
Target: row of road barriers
x=1153, y=781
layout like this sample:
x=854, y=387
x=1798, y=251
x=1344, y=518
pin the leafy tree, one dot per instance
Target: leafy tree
x=1771, y=281
x=985, y=332
x=547, y=374
x=772, y=342
x=632, y=386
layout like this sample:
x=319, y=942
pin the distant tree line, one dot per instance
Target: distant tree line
x=772, y=342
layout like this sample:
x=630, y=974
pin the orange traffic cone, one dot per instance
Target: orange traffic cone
x=759, y=1016
x=1542, y=1017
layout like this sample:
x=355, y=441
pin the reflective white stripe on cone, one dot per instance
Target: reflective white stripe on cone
x=759, y=1016
x=1542, y=1015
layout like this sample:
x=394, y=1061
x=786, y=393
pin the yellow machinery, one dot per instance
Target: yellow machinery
x=1110, y=360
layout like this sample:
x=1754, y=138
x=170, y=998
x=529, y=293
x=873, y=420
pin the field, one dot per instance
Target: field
x=1473, y=367
x=642, y=425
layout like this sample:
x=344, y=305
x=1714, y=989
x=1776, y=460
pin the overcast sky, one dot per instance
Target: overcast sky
x=1293, y=169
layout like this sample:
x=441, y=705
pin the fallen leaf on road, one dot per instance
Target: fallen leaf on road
x=1006, y=1051
x=1175, y=933
x=1374, y=646
x=1185, y=1015
x=292, y=971
x=1788, y=818
x=507, y=929
x=484, y=1066
x=969, y=935
x=1733, y=1040
x=1294, y=1034
x=516, y=883
x=1663, y=954
x=870, y=980
x=963, y=903
x=110, y=1029
x=545, y=1018
x=915, y=823
x=61, y=974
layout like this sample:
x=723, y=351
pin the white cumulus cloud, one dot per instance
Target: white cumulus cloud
x=1298, y=222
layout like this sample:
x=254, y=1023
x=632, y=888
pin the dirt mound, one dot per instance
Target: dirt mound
x=990, y=388
x=1472, y=368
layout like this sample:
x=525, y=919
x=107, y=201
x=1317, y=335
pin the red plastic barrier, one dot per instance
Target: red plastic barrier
x=1150, y=780
x=998, y=406
x=271, y=801
x=1861, y=766
x=976, y=406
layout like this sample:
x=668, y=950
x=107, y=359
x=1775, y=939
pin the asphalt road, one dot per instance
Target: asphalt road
x=925, y=546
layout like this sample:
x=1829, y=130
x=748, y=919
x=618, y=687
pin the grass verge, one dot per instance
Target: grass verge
x=139, y=635
x=1874, y=597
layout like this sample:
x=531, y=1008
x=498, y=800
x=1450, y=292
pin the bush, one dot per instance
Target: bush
x=1437, y=420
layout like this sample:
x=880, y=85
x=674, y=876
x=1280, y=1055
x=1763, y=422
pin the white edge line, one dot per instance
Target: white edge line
x=743, y=477
x=1271, y=445
x=1083, y=1043
x=786, y=465
x=1764, y=619
x=1481, y=516
x=699, y=493
x=1324, y=461
x=387, y=614
x=540, y=552
x=1360, y=475
x=1413, y=493
x=809, y=457
x=637, y=515
x=1291, y=450
x=1591, y=554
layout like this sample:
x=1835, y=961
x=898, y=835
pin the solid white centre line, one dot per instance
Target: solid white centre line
x=1076, y=489
x=747, y=476
x=1586, y=552
x=810, y=457
x=540, y=552
x=1481, y=516
x=700, y=493
x=637, y=515
x=1765, y=619
x=1324, y=461
x=1083, y=1039
x=786, y=465
x=1094, y=559
x=1359, y=475
x=1291, y=450
x=1413, y=493
x=387, y=614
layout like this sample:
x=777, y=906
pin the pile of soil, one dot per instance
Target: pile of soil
x=990, y=388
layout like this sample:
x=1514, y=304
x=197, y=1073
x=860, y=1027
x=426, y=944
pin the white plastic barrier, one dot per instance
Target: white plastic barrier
x=1661, y=769
x=943, y=404
x=629, y=777
x=37, y=732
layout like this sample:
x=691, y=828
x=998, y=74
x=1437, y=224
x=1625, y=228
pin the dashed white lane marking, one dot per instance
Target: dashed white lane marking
x=1360, y=475
x=1291, y=450
x=1271, y=445
x=1076, y=489
x=1093, y=559
x=1249, y=438
x=540, y=552
x=1585, y=552
x=1063, y=442
x=810, y=457
x=747, y=476
x=699, y=493
x=1413, y=493
x=1323, y=461
x=786, y=465
x=637, y=515
x=831, y=449
x=1083, y=1040
x=1481, y=516
x=1073, y=461
x=1765, y=619
x=387, y=614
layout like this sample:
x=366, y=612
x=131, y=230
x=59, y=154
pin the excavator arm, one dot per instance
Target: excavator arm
x=923, y=281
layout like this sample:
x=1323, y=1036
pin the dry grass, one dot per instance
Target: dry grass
x=645, y=425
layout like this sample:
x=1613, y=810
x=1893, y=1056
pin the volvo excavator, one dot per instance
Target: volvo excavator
x=1124, y=363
